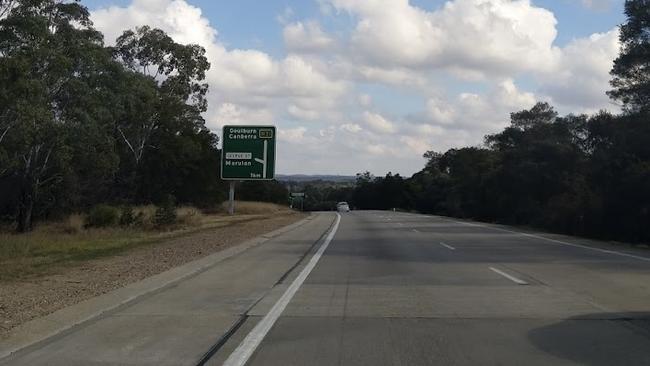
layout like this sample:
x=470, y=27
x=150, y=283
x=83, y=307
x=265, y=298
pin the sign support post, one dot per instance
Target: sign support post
x=248, y=154
x=231, y=198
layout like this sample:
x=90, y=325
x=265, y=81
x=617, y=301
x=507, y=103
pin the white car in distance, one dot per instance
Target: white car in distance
x=342, y=207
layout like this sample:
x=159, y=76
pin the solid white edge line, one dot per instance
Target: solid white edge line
x=243, y=352
x=447, y=246
x=511, y=278
x=613, y=252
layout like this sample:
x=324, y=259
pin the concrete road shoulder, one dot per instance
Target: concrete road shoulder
x=66, y=319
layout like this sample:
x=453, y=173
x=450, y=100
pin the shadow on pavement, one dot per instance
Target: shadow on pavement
x=598, y=339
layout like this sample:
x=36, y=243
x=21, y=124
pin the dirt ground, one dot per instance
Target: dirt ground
x=26, y=299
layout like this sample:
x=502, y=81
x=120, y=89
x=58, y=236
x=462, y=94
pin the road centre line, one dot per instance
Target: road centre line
x=243, y=352
x=510, y=277
x=447, y=246
x=416, y=230
x=559, y=242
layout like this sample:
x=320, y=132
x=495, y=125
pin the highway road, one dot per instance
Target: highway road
x=385, y=288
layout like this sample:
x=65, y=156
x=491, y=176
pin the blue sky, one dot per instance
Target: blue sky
x=358, y=85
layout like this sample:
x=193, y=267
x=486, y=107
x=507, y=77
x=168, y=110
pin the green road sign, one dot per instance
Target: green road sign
x=248, y=153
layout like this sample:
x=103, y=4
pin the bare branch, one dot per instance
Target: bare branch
x=28, y=159
x=48, y=180
x=127, y=141
x=47, y=159
x=4, y=133
x=6, y=8
x=157, y=72
x=138, y=150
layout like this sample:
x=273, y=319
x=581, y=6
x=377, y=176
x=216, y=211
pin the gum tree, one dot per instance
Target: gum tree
x=631, y=71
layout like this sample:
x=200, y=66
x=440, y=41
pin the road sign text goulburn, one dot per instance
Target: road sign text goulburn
x=248, y=153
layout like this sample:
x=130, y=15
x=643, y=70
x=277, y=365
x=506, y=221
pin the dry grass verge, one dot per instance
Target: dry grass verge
x=96, y=261
x=256, y=208
x=52, y=245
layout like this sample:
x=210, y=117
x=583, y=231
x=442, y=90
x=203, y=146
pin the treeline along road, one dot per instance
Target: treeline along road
x=577, y=174
x=83, y=124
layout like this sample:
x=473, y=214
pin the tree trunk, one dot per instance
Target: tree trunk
x=26, y=205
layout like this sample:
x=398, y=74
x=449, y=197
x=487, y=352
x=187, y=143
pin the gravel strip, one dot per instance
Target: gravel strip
x=24, y=300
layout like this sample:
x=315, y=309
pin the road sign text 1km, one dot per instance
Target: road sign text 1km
x=248, y=153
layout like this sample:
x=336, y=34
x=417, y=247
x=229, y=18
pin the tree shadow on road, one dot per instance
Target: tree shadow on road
x=601, y=339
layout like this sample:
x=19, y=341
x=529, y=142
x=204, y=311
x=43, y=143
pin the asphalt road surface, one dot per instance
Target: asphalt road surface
x=386, y=288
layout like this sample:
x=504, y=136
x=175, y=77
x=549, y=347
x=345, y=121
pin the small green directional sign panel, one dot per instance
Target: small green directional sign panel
x=248, y=153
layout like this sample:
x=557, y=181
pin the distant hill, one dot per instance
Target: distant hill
x=314, y=178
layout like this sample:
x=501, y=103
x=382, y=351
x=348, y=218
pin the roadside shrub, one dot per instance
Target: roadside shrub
x=72, y=224
x=128, y=217
x=166, y=212
x=189, y=216
x=217, y=209
x=102, y=216
x=145, y=215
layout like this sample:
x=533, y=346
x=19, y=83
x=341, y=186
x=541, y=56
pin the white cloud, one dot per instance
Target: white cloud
x=416, y=144
x=242, y=82
x=582, y=76
x=391, y=76
x=292, y=135
x=397, y=43
x=503, y=51
x=375, y=149
x=183, y=22
x=350, y=127
x=230, y=113
x=301, y=113
x=428, y=130
x=306, y=37
x=365, y=100
x=486, y=36
x=440, y=112
x=490, y=112
x=378, y=123
x=464, y=119
x=285, y=16
x=303, y=79
x=508, y=95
